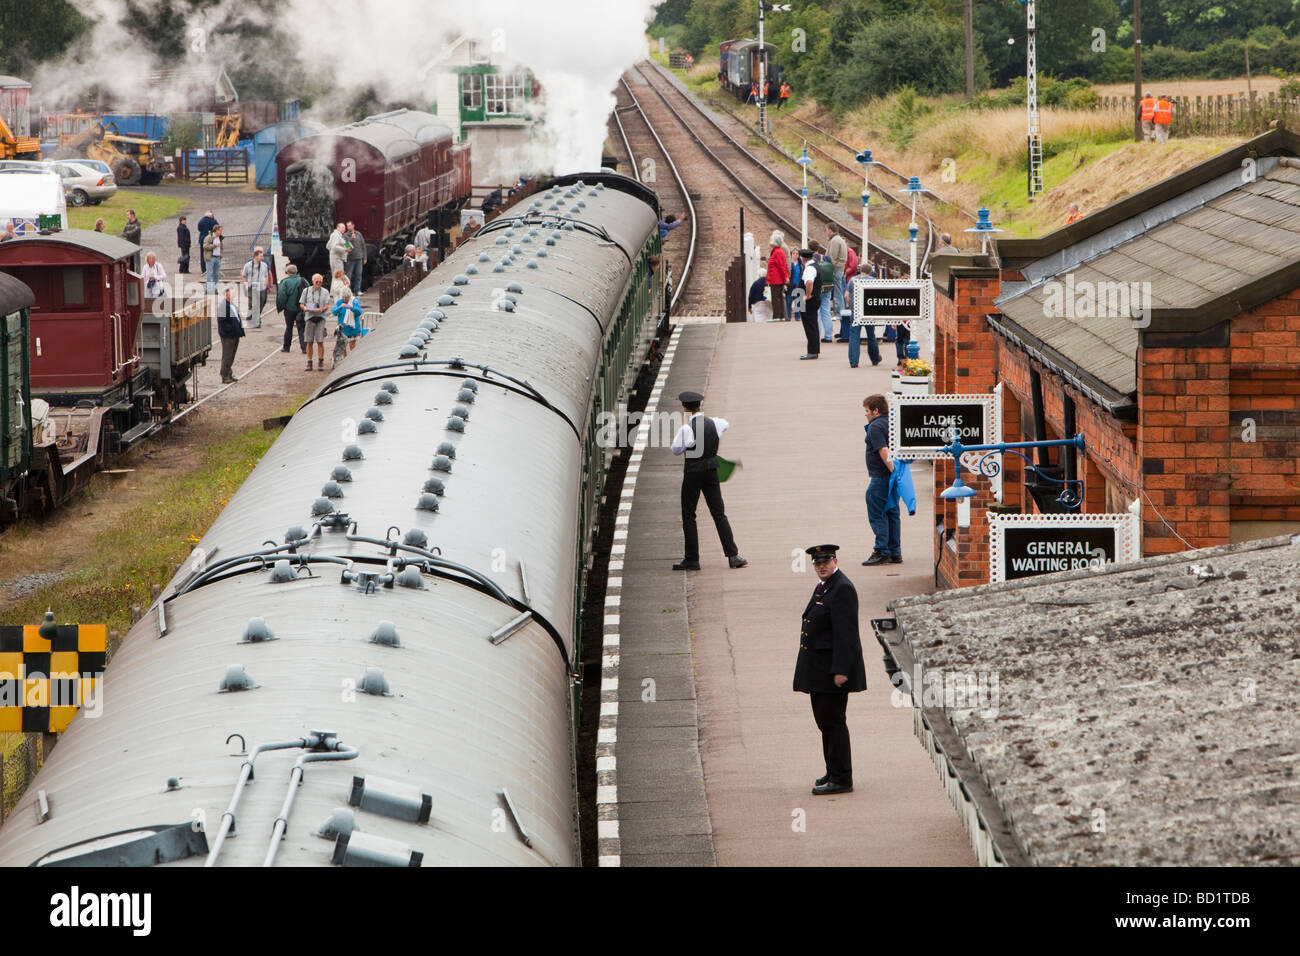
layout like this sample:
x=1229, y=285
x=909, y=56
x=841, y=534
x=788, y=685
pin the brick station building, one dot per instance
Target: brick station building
x=1189, y=403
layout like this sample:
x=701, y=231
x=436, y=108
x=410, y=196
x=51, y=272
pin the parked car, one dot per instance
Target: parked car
x=83, y=183
x=82, y=161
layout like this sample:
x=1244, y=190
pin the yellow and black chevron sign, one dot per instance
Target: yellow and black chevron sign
x=43, y=682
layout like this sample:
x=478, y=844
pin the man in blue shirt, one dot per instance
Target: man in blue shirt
x=882, y=513
x=669, y=223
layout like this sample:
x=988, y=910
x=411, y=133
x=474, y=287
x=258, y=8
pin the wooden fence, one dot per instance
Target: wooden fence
x=1223, y=115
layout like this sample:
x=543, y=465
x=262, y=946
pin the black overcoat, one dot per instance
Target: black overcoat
x=828, y=640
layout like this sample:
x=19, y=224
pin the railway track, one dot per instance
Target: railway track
x=857, y=171
x=767, y=197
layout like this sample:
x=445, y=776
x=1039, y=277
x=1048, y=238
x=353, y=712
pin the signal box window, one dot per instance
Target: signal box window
x=505, y=93
x=471, y=93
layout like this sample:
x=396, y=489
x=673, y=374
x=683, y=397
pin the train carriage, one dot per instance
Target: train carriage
x=739, y=65
x=389, y=174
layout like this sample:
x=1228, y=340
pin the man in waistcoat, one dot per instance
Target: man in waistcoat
x=698, y=440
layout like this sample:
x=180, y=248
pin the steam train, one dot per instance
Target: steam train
x=389, y=174
x=385, y=618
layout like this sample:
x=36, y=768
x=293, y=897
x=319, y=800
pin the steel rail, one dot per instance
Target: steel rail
x=776, y=177
x=681, y=185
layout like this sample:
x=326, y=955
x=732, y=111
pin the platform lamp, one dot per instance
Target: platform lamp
x=914, y=191
x=1071, y=488
x=804, y=161
x=984, y=229
x=867, y=162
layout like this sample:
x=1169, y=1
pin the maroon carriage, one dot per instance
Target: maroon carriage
x=389, y=174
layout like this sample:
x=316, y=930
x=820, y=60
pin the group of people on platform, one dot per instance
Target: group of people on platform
x=814, y=284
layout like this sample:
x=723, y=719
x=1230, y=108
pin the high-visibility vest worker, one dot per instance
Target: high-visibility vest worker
x=753, y=91
x=785, y=91
x=1148, y=108
x=1163, y=114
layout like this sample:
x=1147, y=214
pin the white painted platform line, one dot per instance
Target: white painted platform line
x=609, y=844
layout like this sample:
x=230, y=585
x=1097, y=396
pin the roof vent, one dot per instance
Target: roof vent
x=557, y=234
x=461, y=411
x=498, y=268
x=542, y=253
x=600, y=185
x=502, y=240
x=509, y=232
x=352, y=453
x=173, y=783
x=550, y=242
x=410, y=577
x=341, y=473
x=257, y=631
x=362, y=849
x=472, y=270
x=429, y=325
x=532, y=233
x=416, y=538
x=517, y=250
x=408, y=351
x=592, y=192
x=332, y=489
x=283, y=572
x=322, y=506
x=383, y=398
x=461, y=279
x=386, y=634
x=465, y=395
x=532, y=264
x=340, y=824
x=527, y=239
x=401, y=801
x=441, y=463
x=427, y=502
x=435, y=314
x=453, y=291
x=435, y=486
x=374, y=414
x=374, y=683
x=582, y=204
x=418, y=341
x=445, y=299
x=568, y=227
x=470, y=384
x=504, y=305
x=455, y=424
x=236, y=679
x=389, y=386
x=447, y=448
x=516, y=288
x=366, y=427
x=484, y=257
x=296, y=533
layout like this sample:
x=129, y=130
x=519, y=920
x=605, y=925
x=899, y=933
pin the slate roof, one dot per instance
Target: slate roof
x=1163, y=693
x=1209, y=243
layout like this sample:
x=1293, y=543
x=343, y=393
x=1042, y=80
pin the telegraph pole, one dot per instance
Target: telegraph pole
x=1035, y=142
x=1137, y=70
x=970, y=50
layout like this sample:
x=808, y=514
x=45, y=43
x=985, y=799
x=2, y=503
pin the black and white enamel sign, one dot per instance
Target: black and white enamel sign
x=891, y=301
x=1023, y=546
x=921, y=425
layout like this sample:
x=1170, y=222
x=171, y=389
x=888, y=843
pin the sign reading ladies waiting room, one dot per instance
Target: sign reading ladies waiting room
x=921, y=425
x=1023, y=546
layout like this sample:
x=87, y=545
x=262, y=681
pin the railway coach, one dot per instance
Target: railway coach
x=389, y=174
x=382, y=628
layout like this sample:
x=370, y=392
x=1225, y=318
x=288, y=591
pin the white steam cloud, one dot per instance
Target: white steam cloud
x=576, y=50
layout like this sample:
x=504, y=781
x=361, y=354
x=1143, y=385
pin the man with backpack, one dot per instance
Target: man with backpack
x=287, y=297
x=826, y=273
x=205, y=226
x=812, y=297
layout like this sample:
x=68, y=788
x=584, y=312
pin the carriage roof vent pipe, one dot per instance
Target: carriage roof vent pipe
x=408, y=351
x=445, y=299
x=466, y=396
x=325, y=745
x=366, y=427
x=416, y=538
x=340, y=473
x=383, y=398
x=470, y=384
x=447, y=448
x=516, y=288
x=472, y=270
x=460, y=279
x=245, y=775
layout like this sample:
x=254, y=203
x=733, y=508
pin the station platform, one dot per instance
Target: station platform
x=705, y=755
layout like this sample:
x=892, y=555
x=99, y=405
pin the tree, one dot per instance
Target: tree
x=917, y=51
x=31, y=33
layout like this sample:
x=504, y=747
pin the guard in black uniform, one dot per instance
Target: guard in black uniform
x=830, y=666
x=698, y=440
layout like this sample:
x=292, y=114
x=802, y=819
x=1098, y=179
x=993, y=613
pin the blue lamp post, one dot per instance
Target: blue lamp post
x=867, y=162
x=983, y=228
x=914, y=191
x=805, y=161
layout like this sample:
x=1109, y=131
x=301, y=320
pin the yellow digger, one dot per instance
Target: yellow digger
x=18, y=147
x=133, y=159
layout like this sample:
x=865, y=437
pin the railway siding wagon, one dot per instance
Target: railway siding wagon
x=387, y=174
x=415, y=546
x=740, y=61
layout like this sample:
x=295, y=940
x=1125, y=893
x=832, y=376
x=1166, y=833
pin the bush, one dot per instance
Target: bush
x=902, y=116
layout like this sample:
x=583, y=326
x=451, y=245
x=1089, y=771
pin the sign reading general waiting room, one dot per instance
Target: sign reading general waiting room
x=1023, y=546
x=921, y=425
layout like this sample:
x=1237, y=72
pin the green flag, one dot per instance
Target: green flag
x=725, y=468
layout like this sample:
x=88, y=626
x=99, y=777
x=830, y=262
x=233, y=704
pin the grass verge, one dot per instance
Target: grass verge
x=150, y=207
